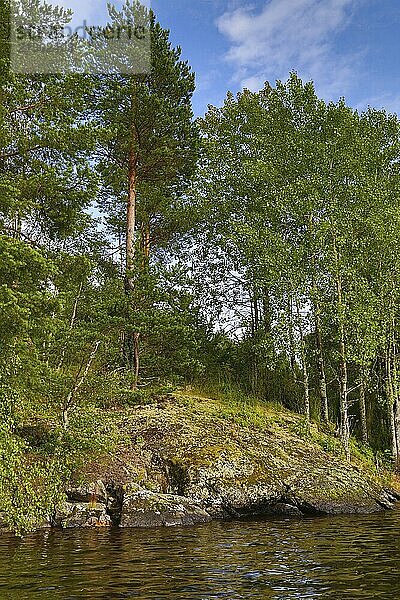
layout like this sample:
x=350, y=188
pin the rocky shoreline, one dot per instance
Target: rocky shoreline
x=95, y=505
x=184, y=460
x=191, y=459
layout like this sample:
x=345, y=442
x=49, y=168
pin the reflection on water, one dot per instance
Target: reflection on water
x=340, y=557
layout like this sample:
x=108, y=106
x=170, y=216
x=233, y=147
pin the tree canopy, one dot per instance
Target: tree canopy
x=142, y=249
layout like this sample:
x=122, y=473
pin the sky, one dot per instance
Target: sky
x=349, y=48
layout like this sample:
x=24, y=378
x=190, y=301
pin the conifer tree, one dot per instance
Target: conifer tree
x=146, y=154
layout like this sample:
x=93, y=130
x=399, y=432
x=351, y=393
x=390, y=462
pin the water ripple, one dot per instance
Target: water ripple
x=340, y=558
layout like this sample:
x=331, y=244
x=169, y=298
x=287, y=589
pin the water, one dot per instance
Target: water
x=343, y=558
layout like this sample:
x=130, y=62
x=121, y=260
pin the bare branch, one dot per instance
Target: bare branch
x=79, y=381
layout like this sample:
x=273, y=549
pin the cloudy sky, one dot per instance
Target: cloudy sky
x=349, y=48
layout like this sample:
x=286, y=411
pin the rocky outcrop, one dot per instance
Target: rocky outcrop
x=81, y=514
x=214, y=494
x=189, y=460
x=92, y=505
x=247, y=463
x=240, y=485
x=86, y=506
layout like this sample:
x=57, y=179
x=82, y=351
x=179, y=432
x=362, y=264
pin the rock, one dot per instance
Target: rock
x=115, y=495
x=239, y=470
x=283, y=509
x=230, y=488
x=82, y=514
x=197, y=464
x=142, y=508
x=90, y=492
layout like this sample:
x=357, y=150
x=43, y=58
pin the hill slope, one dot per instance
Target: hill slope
x=187, y=459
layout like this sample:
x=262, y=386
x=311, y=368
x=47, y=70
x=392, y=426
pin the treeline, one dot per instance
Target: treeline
x=301, y=198
x=139, y=246
x=93, y=212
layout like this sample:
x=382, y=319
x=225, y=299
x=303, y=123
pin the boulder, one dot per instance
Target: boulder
x=143, y=508
x=81, y=514
x=89, y=492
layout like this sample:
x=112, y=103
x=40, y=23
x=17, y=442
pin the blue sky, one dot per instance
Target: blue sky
x=349, y=48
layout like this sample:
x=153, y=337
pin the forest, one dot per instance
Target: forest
x=142, y=249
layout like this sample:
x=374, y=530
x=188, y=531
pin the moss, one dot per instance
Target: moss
x=193, y=445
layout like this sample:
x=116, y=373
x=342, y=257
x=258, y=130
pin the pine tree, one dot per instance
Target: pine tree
x=147, y=152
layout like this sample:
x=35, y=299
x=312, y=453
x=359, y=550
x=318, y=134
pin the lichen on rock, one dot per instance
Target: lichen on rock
x=143, y=508
x=189, y=461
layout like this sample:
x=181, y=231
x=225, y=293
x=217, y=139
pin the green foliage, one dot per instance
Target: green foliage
x=148, y=116
x=300, y=199
x=267, y=266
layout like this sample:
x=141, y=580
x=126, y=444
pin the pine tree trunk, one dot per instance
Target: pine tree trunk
x=130, y=249
x=136, y=358
x=130, y=259
x=130, y=221
x=145, y=244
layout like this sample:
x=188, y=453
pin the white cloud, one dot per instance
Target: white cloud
x=289, y=35
x=388, y=101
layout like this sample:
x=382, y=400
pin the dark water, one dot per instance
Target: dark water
x=340, y=557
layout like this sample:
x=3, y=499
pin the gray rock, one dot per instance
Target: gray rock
x=142, y=508
x=284, y=509
x=82, y=514
x=90, y=492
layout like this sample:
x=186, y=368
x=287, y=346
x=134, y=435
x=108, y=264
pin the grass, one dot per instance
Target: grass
x=229, y=402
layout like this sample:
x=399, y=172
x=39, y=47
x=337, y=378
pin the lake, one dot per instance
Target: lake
x=328, y=557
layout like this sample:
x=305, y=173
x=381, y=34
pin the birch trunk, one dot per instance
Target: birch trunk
x=266, y=311
x=292, y=356
x=304, y=365
x=344, y=417
x=390, y=406
x=395, y=385
x=363, y=410
x=343, y=377
x=321, y=364
x=318, y=338
x=79, y=381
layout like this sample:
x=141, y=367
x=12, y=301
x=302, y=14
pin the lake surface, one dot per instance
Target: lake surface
x=347, y=557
